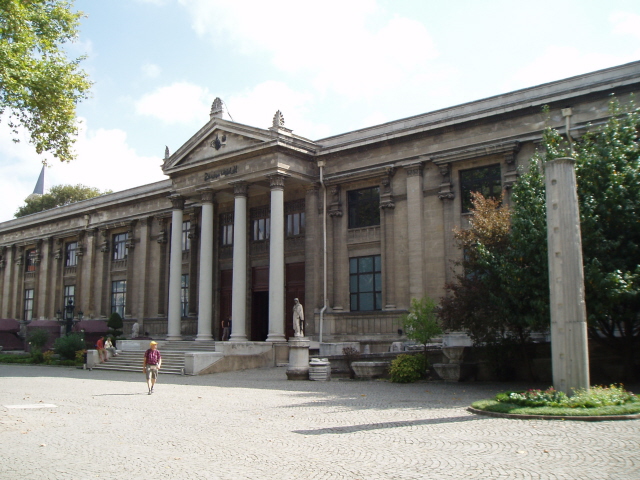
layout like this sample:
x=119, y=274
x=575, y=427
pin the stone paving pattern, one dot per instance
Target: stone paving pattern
x=258, y=425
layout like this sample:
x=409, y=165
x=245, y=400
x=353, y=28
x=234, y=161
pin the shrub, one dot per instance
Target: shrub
x=67, y=346
x=408, y=368
x=115, y=323
x=595, y=397
x=38, y=338
x=48, y=357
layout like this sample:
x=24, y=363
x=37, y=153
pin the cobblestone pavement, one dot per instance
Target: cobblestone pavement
x=257, y=425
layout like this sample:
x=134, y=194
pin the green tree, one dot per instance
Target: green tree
x=58, y=196
x=421, y=323
x=115, y=324
x=608, y=176
x=39, y=85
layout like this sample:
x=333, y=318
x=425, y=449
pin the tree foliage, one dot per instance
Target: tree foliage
x=58, y=196
x=39, y=85
x=504, y=290
x=421, y=323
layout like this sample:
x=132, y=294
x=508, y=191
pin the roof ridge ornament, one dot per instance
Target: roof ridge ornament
x=216, y=109
x=166, y=152
x=278, y=124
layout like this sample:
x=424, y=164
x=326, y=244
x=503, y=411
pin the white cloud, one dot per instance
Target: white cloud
x=105, y=161
x=561, y=62
x=347, y=47
x=625, y=23
x=258, y=106
x=178, y=103
x=151, y=70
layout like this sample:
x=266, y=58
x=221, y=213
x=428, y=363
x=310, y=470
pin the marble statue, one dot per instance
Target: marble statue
x=134, y=330
x=298, y=318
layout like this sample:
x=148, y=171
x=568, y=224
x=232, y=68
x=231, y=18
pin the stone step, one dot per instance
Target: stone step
x=172, y=362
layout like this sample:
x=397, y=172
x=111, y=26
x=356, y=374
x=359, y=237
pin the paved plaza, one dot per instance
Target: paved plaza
x=66, y=423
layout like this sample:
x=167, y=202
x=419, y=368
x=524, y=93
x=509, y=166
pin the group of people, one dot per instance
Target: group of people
x=105, y=345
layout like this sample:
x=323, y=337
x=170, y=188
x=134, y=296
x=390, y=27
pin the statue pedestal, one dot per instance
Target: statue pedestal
x=298, y=368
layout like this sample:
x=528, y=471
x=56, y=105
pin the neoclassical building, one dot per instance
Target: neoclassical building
x=354, y=225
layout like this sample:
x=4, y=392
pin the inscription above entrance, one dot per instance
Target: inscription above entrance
x=224, y=172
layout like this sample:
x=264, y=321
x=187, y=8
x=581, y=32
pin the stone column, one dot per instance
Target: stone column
x=175, y=268
x=205, y=285
x=569, y=349
x=276, y=260
x=239, y=284
x=415, y=233
x=387, y=241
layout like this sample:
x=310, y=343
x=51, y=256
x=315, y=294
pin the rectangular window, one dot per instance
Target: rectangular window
x=31, y=256
x=186, y=241
x=71, y=256
x=295, y=224
x=28, y=304
x=365, y=283
x=118, y=296
x=485, y=180
x=184, y=295
x=120, y=248
x=226, y=229
x=364, y=207
x=69, y=294
x=260, y=229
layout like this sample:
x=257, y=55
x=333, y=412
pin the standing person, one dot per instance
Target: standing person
x=151, y=365
x=226, y=329
x=102, y=353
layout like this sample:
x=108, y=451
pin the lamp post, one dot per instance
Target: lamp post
x=68, y=315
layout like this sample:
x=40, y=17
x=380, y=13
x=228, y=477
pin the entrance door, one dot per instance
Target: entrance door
x=294, y=289
x=226, y=287
x=259, y=304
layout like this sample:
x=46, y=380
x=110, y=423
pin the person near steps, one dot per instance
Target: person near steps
x=151, y=365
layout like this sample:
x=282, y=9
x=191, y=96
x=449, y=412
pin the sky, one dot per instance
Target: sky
x=330, y=67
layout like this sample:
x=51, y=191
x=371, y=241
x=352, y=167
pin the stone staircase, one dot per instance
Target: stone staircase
x=172, y=357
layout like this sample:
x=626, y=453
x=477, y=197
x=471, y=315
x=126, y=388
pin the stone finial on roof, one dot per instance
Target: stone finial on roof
x=278, y=123
x=278, y=119
x=216, y=109
x=166, y=152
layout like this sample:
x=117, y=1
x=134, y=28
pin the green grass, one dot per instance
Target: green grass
x=511, y=408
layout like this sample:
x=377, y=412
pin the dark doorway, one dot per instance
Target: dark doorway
x=294, y=289
x=226, y=287
x=259, y=304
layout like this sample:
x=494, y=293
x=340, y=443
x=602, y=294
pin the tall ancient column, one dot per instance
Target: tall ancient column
x=205, y=301
x=569, y=349
x=276, y=261
x=239, y=284
x=415, y=234
x=175, y=268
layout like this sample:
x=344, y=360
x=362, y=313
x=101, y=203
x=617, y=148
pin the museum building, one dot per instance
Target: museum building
x=354, y=225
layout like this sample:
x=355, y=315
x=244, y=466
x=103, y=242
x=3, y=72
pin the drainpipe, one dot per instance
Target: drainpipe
x=566, y=113
x=324, y=247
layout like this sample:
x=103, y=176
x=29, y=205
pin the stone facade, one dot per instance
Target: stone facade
x=237, y=230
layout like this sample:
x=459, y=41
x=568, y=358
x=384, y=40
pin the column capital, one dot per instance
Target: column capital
x=413, y=169
x=207, y=194
x=240, y=189
x=276, y=180
x=177, y=201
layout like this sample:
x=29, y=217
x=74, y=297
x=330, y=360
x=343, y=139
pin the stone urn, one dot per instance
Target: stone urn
x=370, y=370
x=452, y=371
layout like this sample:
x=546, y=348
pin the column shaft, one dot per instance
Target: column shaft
x=239, y=284
x=276, y=262
x=205, y=305
x=175, y=270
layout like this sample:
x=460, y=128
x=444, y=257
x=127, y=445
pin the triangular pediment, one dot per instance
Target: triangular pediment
x=217, y=141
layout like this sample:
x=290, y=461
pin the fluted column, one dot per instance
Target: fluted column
x=205, y=302
x=276, y=260
x=175, y=268
x=239, y=285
